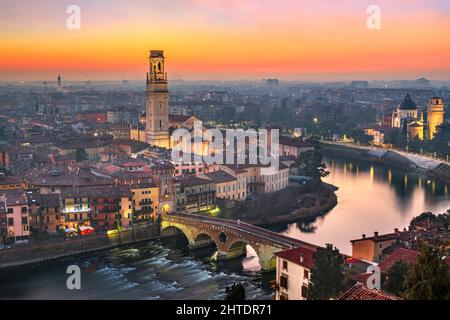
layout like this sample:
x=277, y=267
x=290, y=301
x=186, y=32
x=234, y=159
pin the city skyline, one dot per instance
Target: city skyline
x=224, y=40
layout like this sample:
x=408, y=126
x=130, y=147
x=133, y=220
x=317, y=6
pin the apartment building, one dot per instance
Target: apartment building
x=293, y=271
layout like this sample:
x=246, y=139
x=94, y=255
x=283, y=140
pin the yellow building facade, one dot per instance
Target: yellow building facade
x=435, y=115
x=145, y=199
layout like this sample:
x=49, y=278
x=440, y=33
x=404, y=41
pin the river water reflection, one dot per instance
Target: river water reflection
x=371, y=197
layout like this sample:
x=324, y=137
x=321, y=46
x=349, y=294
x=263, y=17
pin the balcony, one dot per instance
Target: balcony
x=108, y=209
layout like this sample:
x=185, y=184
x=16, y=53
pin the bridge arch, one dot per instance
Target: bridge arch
x=203, y=239
x=203, y=236
x=170, y=230
x=238, y=247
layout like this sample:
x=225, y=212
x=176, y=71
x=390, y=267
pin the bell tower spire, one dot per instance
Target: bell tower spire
x=157, y=108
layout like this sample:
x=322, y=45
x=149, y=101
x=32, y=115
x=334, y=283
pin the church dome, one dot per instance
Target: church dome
x=407, y=104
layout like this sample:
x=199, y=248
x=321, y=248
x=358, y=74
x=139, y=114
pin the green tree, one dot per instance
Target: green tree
x=360, y=136
x=310, y=164
x=429, y=277
x=443, y=218
x=395, y=280
x=80, y=155
x=327, y=274
x=397, y=138
x=424, y=216
x=439, y=143
x=235, y=292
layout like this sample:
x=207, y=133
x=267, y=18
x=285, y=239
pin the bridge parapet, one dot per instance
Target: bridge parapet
x=230, y=237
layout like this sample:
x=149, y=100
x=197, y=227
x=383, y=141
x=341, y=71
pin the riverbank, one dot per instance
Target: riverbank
x=386, y=157
x=362, y=154
x=299, y=201
x=54, y=249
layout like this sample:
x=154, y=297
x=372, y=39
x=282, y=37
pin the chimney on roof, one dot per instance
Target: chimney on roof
x=301, y=258
x=396, y=230
x=364, y=236
x=375, y=234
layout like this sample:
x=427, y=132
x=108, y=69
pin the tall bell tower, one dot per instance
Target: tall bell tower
x=157, y=108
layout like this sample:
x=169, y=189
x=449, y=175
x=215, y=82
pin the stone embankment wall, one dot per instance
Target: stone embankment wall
x=53, y=249
x=386, y=157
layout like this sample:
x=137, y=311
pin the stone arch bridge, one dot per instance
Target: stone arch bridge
x=230, y=237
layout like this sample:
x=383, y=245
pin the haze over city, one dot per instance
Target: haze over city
x=226, y=40
x=205, y=150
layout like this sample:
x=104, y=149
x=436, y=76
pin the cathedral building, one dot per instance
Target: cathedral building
x=157, y=107
x=408, y=117
x=406, y=110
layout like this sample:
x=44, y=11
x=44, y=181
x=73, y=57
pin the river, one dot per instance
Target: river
x=371, y=198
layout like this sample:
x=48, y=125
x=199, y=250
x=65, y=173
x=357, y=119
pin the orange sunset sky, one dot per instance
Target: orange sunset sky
x=234, y=39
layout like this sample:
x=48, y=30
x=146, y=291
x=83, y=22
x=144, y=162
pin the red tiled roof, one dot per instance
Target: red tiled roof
x=178, y=118
x=402, y=254
x=385, y=237
x=360, y=292
x=362, y=277
x=10, y=180
x=190, y=181
x=294, y=142
x=352, y=260
x=133, y=164
x=293, y=255
x=220, y=176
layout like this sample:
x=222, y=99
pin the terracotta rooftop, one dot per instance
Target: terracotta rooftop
x=294, y=142
x=384, y=237
x=133, y=164
x=144, y=185
x=178, y=118
x=361, y=292
x=220, y=176
x=295, y=256
x=10, y=180
x=402, y=254
x=190, y=181
x=67, y=180
x=14, y=200
x=101, y=192
x=362, y=277
x=125, y=174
